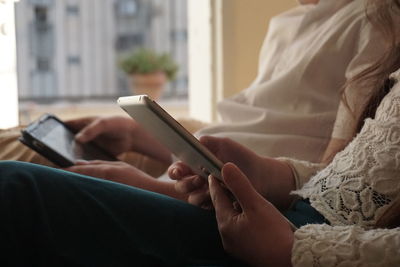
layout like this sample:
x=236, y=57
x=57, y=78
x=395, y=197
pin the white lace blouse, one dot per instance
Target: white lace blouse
x=353, y=192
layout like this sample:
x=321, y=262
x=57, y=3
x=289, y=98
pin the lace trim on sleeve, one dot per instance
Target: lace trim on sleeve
x=364, y=179
x=396, y=75
x=302, y=170
x=323, y=245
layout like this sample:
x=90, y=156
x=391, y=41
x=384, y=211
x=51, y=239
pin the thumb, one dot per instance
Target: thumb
x=218, y=146
x=240, y=187
x=210, y=142
x=78, y=124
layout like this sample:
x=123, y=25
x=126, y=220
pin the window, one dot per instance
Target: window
x=72, y=10
x=127, y=8
x=74, y=60
x=41, y=2
x=41, y=14
x=42, y=40
x=78, y=59
x=179, y=35
x=42, y=64
x=127, y=42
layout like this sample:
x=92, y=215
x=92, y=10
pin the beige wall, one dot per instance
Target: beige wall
x=245, y=23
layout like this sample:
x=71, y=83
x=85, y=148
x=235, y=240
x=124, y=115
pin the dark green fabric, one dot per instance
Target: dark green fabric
x=303, y=213
x=50, y=217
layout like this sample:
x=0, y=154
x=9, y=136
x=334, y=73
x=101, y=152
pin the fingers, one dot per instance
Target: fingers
x=92, y=162
x=89, y=170
x=97, y=168
x=211, y=143
x=189, y=184
x=82, y=162
x=226, y=149
x=78, y=124
x=196, y=188
x=91, y=131
x=224, y=209
x=200, y=197
x=179, y=170
x=240, y=186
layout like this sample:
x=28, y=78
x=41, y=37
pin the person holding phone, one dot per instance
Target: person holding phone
x=53, y=217
x=289, y=110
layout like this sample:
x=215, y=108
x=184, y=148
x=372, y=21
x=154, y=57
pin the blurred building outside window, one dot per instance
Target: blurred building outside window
x=68, y=52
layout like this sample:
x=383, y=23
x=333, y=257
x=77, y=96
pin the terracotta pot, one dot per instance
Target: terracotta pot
x=151, y=84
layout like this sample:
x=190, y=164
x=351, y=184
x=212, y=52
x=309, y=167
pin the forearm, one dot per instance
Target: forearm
x=278, y=189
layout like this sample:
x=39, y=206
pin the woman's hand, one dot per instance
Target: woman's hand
x=121, y=172
x=273, y=179
x=116, y=171
x=252, y=229
x=191, y=185
x=117, y=135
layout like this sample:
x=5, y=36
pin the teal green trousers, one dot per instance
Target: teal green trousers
x=51, y=217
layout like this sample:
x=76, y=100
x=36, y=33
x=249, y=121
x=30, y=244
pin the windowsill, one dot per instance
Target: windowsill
x=29, y=111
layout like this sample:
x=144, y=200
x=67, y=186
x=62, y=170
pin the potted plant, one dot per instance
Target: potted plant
x=149, y=71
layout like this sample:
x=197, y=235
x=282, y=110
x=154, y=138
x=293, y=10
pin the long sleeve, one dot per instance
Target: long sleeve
x=324, y=245
x=363, y=181
x=302, y=170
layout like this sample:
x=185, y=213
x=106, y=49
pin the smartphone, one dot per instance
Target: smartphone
x=54, y=140
x=174, y=136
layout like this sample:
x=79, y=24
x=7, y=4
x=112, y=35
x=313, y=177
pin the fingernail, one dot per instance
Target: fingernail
x=209, y=178
x=176, y=172
x=81, y=162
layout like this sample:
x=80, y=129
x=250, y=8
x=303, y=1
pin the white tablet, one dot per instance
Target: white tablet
x=174, y=136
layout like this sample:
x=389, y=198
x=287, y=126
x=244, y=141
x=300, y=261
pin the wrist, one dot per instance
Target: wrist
x=281, y=182
x=281, y=253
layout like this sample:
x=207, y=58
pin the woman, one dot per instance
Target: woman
x=52, y=217
x=289, y=110
x=358, y=191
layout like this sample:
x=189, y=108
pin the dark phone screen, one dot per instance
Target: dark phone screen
x=62, y=141
x=59, y=138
